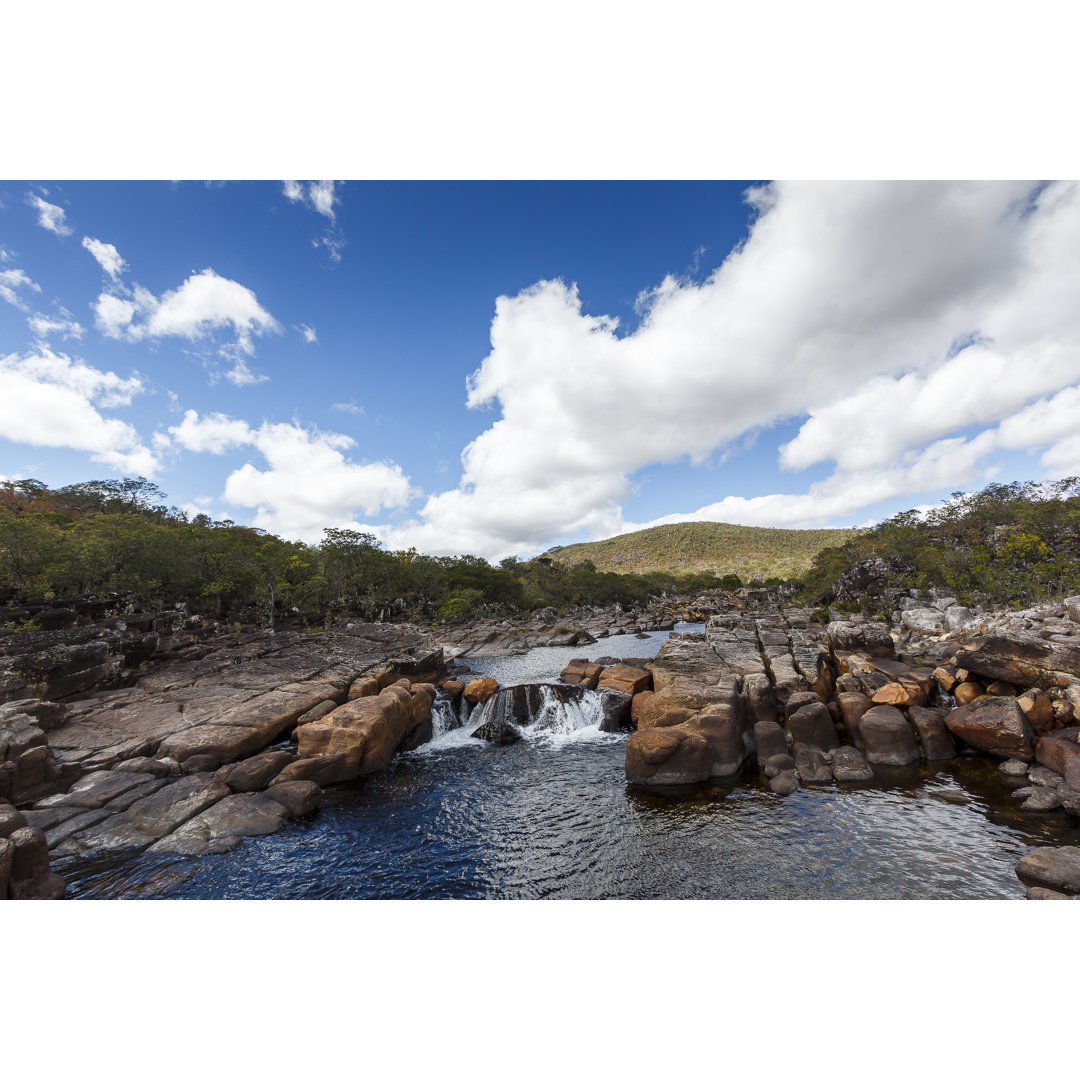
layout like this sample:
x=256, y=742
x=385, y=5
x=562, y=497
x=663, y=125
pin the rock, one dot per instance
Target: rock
x=871, y=638
x=364, y=686
x=94, y=791
x=323, y=709
x=1001, y=689
x=499, y=732
x=1055, y=868
x=1041, y=776
x=726, y=728
x=220, y=827
x=798, y=700
x=200, y=763
x=945, y=677
x=779, y=763
x=478, y=691
x=581, y=672
x=149, y=766
x=888, y=737
x=967, y=692
x=760, y=697
x=769, y=739
x=994, y=725
x=1055, y=751
x=7, y=854
x=895, y=694
x=1043, y=799
x=299, y=797
x=785, y=783
x=1013, y=767
x=1020, y=659
x=849, y=766
x=638, y=704
x=630, y=680
x=31, y=877
x=1038, y=893
x=937, y=743
x=812, y=766
x=150, y=818
x=813, y=726
x=852, y=706
x=667, y=756
x=10, y=820
x=1038, y=707
x=616, y=708
x=255, y=773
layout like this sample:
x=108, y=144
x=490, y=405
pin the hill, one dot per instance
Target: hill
x=694, y=546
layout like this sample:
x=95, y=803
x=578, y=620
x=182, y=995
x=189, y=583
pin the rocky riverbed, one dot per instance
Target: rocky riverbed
x=162, y=734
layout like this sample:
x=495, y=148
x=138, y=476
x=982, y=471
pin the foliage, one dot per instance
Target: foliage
x=1013, y=543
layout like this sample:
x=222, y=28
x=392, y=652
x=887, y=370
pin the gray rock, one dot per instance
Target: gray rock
x=849, y=766
x=1044, y=777
x=1044, y=798
x=221, y=827
x=1039, y=893
x=299, y=797
x=812, y=765
x=1014, y=767
x=1055, y=868
x=785, y=783
x=778, y=764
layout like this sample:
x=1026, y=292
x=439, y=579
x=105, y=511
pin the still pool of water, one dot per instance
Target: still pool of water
x=553, y=818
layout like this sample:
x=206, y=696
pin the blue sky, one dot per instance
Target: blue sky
x=495, y=368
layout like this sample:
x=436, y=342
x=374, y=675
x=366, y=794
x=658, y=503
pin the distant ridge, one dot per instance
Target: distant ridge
x=694, y=546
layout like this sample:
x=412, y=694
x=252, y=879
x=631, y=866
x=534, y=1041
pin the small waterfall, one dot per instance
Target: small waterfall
x=557, y=717
x=448, y=715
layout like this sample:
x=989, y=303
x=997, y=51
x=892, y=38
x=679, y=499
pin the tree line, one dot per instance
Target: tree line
x=106, y=537
x=1007, y=545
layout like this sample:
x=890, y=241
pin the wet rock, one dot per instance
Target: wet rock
x=1014, y=767
x=255, y=773
x=812, y=765
x=849, y=766
x=994, y=725
x=769, y=740
x=852, y=706
x=785, y=783
x=150, y=818
x=221, y=827
x=937, y=743
x=1056, y=868
x=1038, y=893
x=1043, y=799
x=667, y=756
x=888, y=737
x=299, y=797
x=1041, y=776
x=499, y=732
x=812, y=725
x=779, y=763
x=725, y=727
x=616, y=707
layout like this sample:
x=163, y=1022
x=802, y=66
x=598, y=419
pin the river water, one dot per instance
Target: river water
x=552, y=817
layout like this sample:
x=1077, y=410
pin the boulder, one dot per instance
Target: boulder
x=852, y=706
x=477, y=691
x=760, y=697
x=299, y=797
x=616, y=708
x=581, y=672
x=7, y=854
x=30, y=876
x=969, y=691
x=255, y=773
x=1038, y=707
x=630, y=680
x=871, y=638
x=499, y=732
x=10, y=820
x=769, y=739
x=665, y=756
x=994, y=725
x=937, y=743
x=812, y=765
x=812, y=725
x=779, y=763
x=1056, y=868
x=895, y=694
x=798, y=700
x=1020, y=659
x=849, y=766
x=1056, y=750
x=784, y=783
x=888, y=737
x=726, y=729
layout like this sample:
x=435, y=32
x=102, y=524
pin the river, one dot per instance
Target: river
x=552, y=817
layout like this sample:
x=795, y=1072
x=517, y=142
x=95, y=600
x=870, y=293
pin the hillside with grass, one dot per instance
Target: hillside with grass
x=695, y=546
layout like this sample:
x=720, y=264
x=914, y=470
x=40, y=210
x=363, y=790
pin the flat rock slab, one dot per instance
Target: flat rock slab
x=1052, y=868
x=221, y=827
x=94, y=791
x=149, y=819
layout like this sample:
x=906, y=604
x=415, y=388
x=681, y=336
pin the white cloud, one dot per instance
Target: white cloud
x=308, y=334
x=53, y=400
x=309, y=484
x=348, y=407
x=10, y=280
x=50, y=217
x=320, y=195
x=850, y=304
x=42, y=326
x=204, y=303
x=107, y=256
x=5, y=255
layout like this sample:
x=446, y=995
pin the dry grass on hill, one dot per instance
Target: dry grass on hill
x=706, y=545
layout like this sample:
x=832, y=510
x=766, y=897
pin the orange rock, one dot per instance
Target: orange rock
x=630, y=680
x=479, y=690
x=967, y=692
x=637, y=706
x=896, y=694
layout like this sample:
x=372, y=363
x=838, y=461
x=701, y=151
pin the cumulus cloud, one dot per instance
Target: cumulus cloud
x=308, y=484
x=44, y=326
x=107, y=256
x=893, y=317
x=10, y=280
x=203, y=304
x=50, y=217
x=51, y=399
